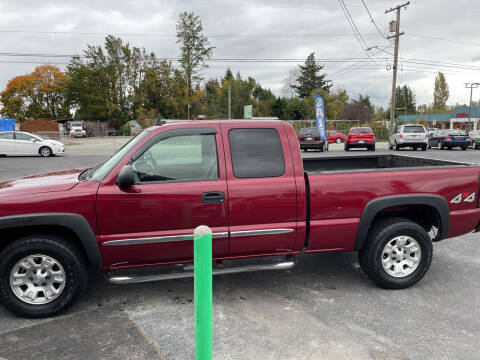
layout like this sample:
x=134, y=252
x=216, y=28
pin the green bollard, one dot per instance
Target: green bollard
x=202, y=281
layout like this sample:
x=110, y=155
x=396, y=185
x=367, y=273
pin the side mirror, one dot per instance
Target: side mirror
x=125, y=178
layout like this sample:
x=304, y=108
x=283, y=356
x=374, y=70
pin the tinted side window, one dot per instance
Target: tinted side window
x=7, y=135
x=178, y=158
x=256, y=153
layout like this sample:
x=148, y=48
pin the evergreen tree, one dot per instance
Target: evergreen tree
x=228, y=75
x=367, y=106
x=404, y=100
x=310, y=78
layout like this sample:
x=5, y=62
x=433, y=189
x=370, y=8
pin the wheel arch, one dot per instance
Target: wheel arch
x=433, y=204
x=64, y=223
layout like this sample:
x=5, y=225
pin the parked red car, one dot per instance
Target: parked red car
x=335, y=137
x=360, y=137
x=248, y=182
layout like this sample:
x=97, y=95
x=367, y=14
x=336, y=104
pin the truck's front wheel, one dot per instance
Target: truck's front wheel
x=40, y=275
x=397, y=254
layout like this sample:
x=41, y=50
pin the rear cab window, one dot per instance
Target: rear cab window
x=256, y=153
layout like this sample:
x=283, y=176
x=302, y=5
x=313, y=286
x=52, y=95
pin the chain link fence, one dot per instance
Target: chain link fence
x=342, y=126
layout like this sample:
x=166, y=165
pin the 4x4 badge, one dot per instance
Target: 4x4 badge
x=465, y=197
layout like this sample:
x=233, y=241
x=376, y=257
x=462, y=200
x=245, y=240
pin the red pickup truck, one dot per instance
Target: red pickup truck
x=133, y=216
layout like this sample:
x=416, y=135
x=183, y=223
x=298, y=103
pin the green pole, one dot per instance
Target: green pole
x=202, y=261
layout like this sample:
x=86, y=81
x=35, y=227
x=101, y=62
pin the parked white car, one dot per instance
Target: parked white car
x=23, y=143
x=409, y=135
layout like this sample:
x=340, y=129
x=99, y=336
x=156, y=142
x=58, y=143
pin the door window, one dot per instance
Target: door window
x=256, y=153
x=178, y=158
x=20, y=136
x=6, y=136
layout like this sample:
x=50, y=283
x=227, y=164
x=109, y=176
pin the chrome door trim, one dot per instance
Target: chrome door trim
x=259, y=232
x=159, y=239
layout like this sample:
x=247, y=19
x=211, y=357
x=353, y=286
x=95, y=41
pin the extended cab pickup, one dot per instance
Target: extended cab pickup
x=133, y=216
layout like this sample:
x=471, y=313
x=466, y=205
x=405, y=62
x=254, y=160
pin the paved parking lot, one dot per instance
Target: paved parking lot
x=325, y=308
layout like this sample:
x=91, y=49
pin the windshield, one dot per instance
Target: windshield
x=361, y=130
x=76, y=124
x=101, y=171
x=413, y=129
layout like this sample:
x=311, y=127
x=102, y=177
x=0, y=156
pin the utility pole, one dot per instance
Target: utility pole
x=471, y=87
x=229, y=101
x=395, y=61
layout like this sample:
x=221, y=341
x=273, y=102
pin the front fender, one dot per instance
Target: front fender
x=74, y=222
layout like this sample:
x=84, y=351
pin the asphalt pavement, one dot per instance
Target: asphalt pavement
x=324, y=308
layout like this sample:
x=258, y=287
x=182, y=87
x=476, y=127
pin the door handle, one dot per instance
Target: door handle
x=213, y=197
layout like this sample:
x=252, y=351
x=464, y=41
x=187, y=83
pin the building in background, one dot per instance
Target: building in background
x=460, y=118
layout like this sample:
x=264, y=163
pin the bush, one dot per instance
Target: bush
x=124, y=129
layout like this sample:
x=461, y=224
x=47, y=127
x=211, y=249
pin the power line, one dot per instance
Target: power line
x=373, y=21
x=443, y=39
x=174, y=35
x=353, y=26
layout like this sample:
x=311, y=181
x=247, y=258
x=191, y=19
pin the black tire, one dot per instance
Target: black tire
x=346, y=148
x=372, y=148
x=464, y=148
x=415, y=148
x=424, y=148
x=441, y=145
x=397, y=147
x=380, y=234
x=45, y=151
x=69, y=256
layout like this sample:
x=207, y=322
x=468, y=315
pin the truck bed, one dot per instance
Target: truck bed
x=373, y=163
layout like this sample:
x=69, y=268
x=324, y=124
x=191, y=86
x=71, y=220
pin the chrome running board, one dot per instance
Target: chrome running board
x=120, y=277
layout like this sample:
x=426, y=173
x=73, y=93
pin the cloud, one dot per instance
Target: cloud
x=261, y=29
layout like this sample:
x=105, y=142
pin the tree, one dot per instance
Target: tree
x=194, y=46
x=105, y=84
x=310, y=79
x=354, y=111
x=364, y=101
x=404, y=100
x=36, y=95
x=440, y=94
x=228, y=75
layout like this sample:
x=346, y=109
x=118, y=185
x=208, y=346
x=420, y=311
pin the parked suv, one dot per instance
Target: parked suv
x=475, y=138
x=409, y=135
x=360, y=137
x=309, y=138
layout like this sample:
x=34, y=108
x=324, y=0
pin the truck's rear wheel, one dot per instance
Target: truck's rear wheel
x=397, y=254
x=41, y=275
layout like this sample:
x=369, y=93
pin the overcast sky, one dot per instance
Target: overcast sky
x=435, y=30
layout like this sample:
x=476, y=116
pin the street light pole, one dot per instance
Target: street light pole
x=471, y=87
